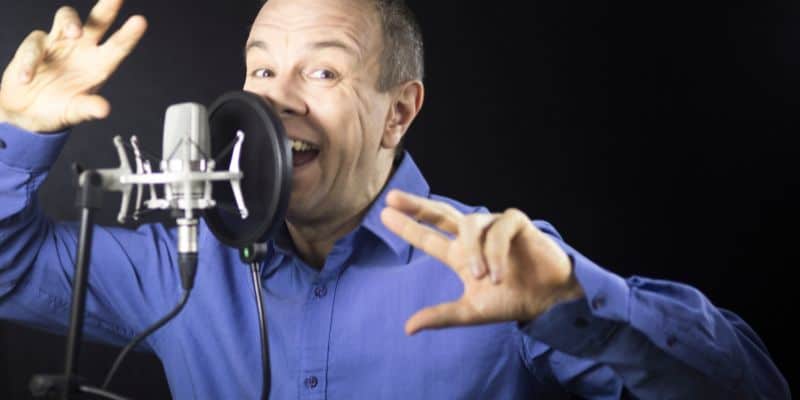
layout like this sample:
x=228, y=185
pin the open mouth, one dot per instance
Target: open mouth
x=303, y=152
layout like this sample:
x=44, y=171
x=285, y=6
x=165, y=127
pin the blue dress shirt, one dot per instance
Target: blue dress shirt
x=337, y=333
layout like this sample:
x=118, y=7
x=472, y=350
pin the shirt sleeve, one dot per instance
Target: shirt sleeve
x=37, y=255
x=660, y=338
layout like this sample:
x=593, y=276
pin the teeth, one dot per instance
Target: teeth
x=299, y=145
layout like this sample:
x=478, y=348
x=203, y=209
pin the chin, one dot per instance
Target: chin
x=300, y=206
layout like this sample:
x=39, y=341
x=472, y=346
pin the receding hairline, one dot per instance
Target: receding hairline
x=400, y=39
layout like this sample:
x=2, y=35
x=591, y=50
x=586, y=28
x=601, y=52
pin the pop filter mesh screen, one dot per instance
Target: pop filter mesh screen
x=265, y=162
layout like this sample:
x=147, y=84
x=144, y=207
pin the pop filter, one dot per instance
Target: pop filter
x=266, y=164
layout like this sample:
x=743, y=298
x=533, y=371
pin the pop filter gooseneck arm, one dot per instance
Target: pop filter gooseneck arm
x=266, y=163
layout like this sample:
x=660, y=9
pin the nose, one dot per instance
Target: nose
x=285, y=97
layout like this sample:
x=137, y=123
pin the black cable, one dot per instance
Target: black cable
x=100, y=393
x=135, y=341
x=262, y=328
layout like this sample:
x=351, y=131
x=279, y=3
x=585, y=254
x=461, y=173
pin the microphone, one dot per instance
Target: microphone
x=187, y=173
x=241, y=212
x=185, y=151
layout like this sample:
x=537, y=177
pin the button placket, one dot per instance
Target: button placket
x=316, y=337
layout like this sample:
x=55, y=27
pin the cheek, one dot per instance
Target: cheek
x=352, y=125
x=341, y=122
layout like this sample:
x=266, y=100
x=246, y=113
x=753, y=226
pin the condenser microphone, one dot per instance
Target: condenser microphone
x=186, y=149
x=239, y=130
x=187, y=172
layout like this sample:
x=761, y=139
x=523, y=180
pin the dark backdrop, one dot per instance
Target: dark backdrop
x=656, y=137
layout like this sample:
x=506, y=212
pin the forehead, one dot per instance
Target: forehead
x=295, y=21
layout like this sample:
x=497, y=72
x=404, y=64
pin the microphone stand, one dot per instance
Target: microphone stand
x=69, y=385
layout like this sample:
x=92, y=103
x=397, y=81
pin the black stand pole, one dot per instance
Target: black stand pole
x=254, y=255
x=89, y=200
x=69, y=384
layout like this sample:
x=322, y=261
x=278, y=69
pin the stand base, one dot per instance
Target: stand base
x=49, y=387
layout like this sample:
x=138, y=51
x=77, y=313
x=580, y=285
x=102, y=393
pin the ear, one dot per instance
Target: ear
x=406, y=103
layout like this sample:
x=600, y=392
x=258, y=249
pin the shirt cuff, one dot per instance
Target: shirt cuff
x=27, y=150
x=583, y=326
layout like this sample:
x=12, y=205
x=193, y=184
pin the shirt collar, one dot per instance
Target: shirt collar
x=408, y=178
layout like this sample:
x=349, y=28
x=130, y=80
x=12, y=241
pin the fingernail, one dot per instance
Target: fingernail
x=493, y=274
x=25, y=76
x=476, y=268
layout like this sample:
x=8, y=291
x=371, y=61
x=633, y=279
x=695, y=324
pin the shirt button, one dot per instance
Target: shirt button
x=598, y=302
x=671, y=340
x=320, y=291
x=2, y=144
x=311, y=382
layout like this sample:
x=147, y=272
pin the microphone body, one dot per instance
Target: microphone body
x=186, y=149
x=186, y=146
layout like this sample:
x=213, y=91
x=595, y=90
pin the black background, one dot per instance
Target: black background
x=657, y=137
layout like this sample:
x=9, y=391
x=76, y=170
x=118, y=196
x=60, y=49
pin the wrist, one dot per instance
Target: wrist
x=26, y=125
x=572, y=290
x=565, y=292
x=6, y=117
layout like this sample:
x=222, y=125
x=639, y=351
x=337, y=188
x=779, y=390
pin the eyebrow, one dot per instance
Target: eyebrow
x=325, y=44
x=256, y=44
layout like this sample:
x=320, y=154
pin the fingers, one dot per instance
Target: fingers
x=436, y=213
x=66, y=24
x=85, y=108
x=123, y=41
x=439, y=316
x=420, y=236
x=499, y=238
x=100, y=19
x=483, y=241
x=28, y=56
x=470, y=238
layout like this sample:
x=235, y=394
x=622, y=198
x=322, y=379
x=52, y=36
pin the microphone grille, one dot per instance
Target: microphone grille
x=186, y=133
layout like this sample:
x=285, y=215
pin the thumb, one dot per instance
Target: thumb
x=439, y=316
x=88, y=107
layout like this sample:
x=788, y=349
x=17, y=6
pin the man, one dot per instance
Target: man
x=365, y=245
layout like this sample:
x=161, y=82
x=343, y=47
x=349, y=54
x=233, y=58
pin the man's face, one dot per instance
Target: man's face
x=317, y=62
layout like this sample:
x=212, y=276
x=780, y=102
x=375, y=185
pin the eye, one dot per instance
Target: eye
x=262, y=73
x=324, y=74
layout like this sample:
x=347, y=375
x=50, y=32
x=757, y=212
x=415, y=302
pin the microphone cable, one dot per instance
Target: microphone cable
x=262, y=329
x=147, y=332
x=255, y=274
x=187, y=263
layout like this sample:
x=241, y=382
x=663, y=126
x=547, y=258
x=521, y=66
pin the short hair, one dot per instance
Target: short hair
x=402, y=59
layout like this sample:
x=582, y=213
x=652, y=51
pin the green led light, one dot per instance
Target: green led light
x=246, y=252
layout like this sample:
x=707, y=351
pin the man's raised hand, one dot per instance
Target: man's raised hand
x=52, y=81
x=511, y=271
